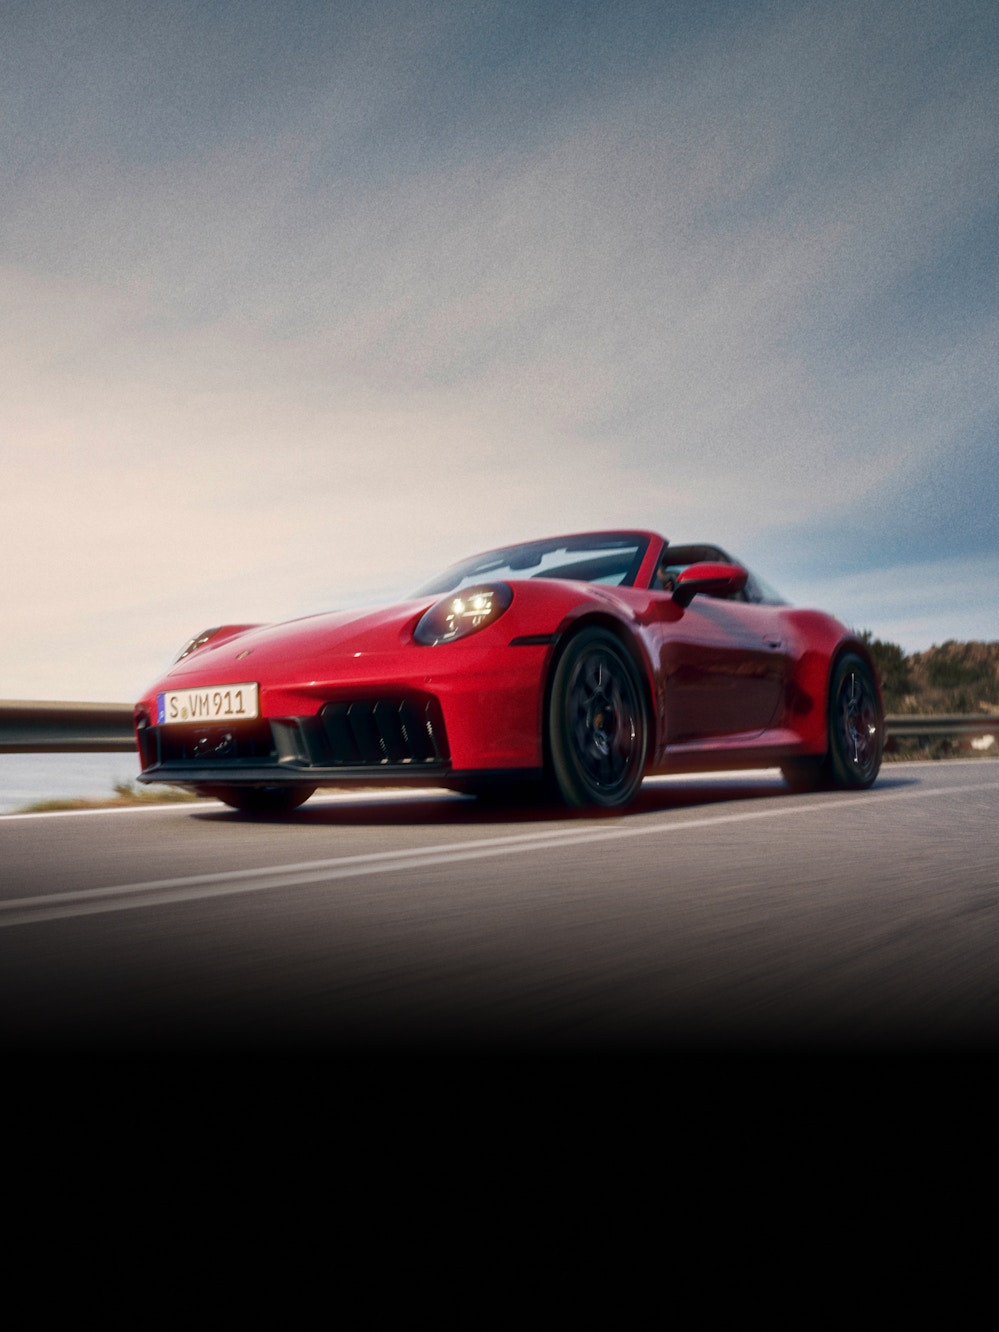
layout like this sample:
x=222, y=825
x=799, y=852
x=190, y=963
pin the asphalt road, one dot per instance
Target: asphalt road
x=719, y=915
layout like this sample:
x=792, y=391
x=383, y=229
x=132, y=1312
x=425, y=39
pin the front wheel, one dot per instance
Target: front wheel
x=262, y=800
x=597, y=729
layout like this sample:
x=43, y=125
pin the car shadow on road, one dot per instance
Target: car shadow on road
x=395, y=808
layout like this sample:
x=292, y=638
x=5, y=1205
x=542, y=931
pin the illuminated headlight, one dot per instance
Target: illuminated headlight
x=462, y=613
x=192, y=645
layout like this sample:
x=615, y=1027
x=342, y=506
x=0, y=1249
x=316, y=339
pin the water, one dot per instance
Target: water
x=26, y=778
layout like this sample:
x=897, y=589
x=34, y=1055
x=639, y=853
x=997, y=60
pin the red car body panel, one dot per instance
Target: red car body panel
x=728, y=682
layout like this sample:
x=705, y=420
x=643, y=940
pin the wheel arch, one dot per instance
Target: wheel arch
x=823, y=643
x=852, y=645
x=632, y=645
x=816, y=767
x=847, y=645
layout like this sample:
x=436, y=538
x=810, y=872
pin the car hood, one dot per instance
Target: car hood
x=335, y=633
x=273, y=652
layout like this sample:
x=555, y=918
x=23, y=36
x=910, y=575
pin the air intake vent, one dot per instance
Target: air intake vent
x=384, y=732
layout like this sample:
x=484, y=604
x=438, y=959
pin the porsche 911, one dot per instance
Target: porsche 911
x=573, y=665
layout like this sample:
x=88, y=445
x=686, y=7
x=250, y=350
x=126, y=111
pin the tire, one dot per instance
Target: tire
x=855, y=730
x=856, y=725
x=262, y=800
x=597, y=726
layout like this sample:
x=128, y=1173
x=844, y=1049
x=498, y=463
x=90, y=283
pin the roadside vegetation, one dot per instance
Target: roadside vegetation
x=124, y=794
x=954, y=679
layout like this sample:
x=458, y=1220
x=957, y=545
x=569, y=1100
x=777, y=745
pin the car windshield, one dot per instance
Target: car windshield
x=609, y=558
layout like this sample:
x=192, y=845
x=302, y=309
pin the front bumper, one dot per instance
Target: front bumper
x=402, y=737
x=480, y=712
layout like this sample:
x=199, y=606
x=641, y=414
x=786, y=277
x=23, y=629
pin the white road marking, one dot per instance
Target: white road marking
x=158, y=807
x=159, y=892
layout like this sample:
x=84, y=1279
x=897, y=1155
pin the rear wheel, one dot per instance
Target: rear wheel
x=262, y=799
x=856, y=725
x=856, y=734
x=598, y=734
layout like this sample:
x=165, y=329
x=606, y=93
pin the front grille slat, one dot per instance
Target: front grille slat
x=338, y=737
x=412, y=724
x=361, y=720
x=433, y=734
x=388, y=722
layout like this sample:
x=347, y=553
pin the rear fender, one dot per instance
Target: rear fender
x=808, y=689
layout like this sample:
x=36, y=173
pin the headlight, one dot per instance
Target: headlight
x=192, y=645
x=462, y=613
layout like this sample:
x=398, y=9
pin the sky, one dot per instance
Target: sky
x=302, y=302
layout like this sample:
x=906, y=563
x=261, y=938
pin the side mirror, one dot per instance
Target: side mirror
x=713, y=580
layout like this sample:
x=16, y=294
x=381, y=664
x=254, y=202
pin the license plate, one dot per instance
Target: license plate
x=231, y=702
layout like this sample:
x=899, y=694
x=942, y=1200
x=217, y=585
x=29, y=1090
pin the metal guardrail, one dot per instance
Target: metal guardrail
x=935, y=728
x=28, y=727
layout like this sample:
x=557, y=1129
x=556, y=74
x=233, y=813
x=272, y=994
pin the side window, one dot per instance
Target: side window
x=761, y=593
x=666, y=576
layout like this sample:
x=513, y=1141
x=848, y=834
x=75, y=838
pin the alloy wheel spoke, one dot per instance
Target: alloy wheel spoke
x=602, y=720
x=858, y=719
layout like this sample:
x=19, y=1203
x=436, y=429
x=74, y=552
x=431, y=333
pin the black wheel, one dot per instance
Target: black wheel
x=597, y=728
x=856, y=734
x=262, y=799
x=856, y=725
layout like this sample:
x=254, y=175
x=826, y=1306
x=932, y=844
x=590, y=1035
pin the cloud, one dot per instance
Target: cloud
x=298, y=306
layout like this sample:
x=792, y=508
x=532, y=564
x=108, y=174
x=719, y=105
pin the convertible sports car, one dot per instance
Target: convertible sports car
x=583, y=662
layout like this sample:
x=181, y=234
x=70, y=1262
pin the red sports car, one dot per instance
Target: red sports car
x=582, y=662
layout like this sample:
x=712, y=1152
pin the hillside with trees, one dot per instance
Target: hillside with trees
x=954, y=678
